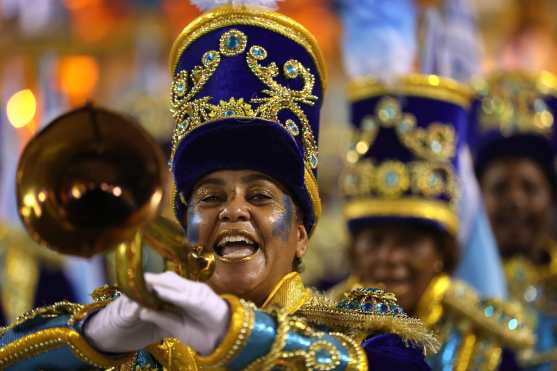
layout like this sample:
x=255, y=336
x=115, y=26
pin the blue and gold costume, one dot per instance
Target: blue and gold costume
x=514, y=114
x=403, y=166
x=246, y=94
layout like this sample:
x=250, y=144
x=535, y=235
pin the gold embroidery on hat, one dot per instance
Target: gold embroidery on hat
x=514, y=103
x=191, y=113
x=434, y=143
x=391, y=179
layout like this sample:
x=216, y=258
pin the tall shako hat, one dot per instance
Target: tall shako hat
x=514, y=115
x=246, y=94
x=408, y=128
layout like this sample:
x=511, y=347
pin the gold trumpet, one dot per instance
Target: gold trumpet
x=94, y=180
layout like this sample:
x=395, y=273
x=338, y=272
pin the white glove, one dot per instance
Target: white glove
x=117, y=328
x=203, y=315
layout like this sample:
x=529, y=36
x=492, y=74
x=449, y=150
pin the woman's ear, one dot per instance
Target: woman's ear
x=302, y=240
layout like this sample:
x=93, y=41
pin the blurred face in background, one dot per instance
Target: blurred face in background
x=401, y=257
x=518, y=201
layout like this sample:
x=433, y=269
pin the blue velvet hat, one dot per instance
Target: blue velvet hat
x=514, y=114
x=403, y=163
x=246, y=94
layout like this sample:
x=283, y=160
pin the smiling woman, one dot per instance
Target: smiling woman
x=252, y=226
x=246, y=95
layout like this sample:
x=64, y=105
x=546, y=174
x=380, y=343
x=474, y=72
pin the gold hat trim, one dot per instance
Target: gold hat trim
x=545, y=82
x=249, y=16
x=436, y=211
x=427, y=86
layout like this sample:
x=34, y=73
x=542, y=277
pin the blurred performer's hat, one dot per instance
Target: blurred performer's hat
x=246, y=94
x=403, y=162
x=514, y=115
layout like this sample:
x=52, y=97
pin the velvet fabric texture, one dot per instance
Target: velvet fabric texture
x=388, y=146
x=257, y=144
x=387, y=352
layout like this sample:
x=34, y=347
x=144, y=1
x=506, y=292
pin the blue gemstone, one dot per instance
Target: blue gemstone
x=436, y=146
x=391, y=179
x=258, y=52
x=513, y=324
x=489, y=311
x=211, y=56
x=291, y=69
x=323, y=357
x=313, y=161
x=232, y=42
x=433, y=180
x=353, y=305
x=381, y=307
x=229, y=113
x=367, y=307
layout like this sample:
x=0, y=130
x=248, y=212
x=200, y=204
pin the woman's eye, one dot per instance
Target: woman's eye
x=259, y=197
x=210, y=198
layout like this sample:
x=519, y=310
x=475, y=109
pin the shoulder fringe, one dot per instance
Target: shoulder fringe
x=321, y=310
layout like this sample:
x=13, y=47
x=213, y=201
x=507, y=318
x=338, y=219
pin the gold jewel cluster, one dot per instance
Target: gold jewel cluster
x=515, y=104
x=392, y=179
x=431, y=176
x=191, y=111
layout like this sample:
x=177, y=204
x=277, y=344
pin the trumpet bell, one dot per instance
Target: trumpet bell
x=88, y=181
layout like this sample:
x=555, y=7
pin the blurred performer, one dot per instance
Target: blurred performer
x=246, y=94
x=401, y=194
x=513, y=122
x=401, y=187
x=30, y=275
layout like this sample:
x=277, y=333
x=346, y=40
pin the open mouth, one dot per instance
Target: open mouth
x=235, y=247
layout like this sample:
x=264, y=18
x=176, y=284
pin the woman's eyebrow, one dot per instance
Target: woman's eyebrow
x=255, y=177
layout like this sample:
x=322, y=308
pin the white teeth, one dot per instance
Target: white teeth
x=234, y=238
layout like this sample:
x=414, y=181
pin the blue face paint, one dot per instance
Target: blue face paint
x=281, y=227
x=193, y=220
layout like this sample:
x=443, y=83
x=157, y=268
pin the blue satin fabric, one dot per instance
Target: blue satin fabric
x=546, y=338
x=62, y=358
x=387, y=352
x=230, y=143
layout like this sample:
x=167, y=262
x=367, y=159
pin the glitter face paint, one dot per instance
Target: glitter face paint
x=281, y=227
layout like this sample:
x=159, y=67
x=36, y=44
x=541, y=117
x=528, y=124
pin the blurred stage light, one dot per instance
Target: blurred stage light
x=21, y=108
x=78, y=76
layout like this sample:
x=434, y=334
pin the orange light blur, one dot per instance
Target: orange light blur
x=21, y=108
x=80, y=4
x=77, y=77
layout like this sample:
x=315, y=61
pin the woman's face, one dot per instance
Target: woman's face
x=518, y=201
x=252, y=226
x=402, y=258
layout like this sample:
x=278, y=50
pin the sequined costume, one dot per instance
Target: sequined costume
x=246, y=94
x=514, y=114
x=403, y=167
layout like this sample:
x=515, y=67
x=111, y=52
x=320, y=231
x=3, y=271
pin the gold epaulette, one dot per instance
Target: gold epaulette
x=495, y=319
x=365, y=311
